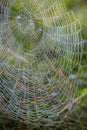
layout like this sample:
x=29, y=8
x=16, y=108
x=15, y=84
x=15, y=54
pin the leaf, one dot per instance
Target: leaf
x=84, y=91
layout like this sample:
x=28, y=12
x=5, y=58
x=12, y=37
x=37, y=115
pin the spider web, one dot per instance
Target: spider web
x=40, y=46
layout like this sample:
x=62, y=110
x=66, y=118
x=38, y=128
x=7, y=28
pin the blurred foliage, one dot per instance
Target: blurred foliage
x=78, y=120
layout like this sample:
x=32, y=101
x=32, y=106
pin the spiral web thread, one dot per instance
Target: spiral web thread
x=40, y=46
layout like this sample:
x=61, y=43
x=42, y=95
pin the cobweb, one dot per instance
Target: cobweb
x=40, y=48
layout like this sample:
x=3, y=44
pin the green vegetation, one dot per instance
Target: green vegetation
x=78, y=119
